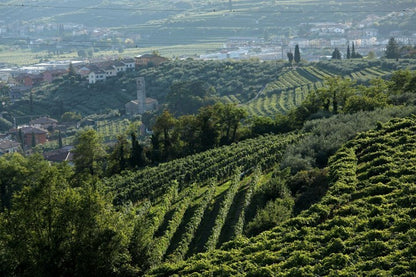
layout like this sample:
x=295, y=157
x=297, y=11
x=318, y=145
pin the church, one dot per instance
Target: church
x=142, y=104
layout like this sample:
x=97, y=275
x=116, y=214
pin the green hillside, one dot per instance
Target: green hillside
x=197, y=203
x=264, y=88
x=364, y=225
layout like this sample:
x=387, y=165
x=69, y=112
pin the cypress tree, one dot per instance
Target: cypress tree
x=353, y=54
x=33, y=139
x=348, y=51
x=21, y=138
x=297, y=54
x=136, y=156
x=290, y=57
x=60, y=139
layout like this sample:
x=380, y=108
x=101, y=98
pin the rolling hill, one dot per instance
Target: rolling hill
x=364, y=225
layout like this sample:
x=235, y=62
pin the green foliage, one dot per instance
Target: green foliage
x=275, y=212
x=52, y=228
x=5, y=125
x=189, y=97
x=297, y=54
x=222, y=213
x=336, y=54
x=212, y=126
x=392, y=49
x=71, y=117
x=88, y=152
x=324, y=136
x=360, y=225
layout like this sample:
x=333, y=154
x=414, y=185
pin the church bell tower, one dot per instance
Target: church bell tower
x=141, y=94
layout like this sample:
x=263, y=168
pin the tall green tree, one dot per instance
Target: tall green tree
x=353, y=54
x=33, y=139
x=118, y=160
x=137, y=157
x=230, y=117
x=336, y=55
x=164, y=127
x=297, y=54
x=60, y=143
x=89, y=152
x=290, y=57
x=209, y=133
x=392, y=49
x=54, y=229
x=348, y=51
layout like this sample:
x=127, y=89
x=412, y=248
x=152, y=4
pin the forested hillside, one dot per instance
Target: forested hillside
x=362, y=226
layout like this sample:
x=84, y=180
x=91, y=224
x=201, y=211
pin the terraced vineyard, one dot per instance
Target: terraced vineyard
x=196, y=204
x=294, y=85
x=364, y=225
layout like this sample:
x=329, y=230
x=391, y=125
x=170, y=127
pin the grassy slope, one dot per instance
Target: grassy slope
x=364, y=225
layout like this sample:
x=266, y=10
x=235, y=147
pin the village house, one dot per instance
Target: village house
x=29, y=132
x=60, y=155
x=104, y=70
x=9, y=146
x=83, y=71
x=149, y=59
x=96, y=76
x=51, y=75
x=130, y=64
x=44, y=123
x=29, y=80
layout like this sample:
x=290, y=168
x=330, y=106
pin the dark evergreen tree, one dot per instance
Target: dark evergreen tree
x=60, y=139
x=89, y=152
x=33, y=139
x=20, y=138
x=71, y=70
x=392, y=49
x=290, y=57
x=336, y=55
x=297, y=54
x=348, y=51
x=136, y=156
x=353, y=55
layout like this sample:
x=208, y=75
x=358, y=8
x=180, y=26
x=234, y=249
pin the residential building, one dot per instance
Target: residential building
x=60, y=155
x=9, y=146
x=149, y=59
x=96, y=76
x=28, y=133
x=44, y=123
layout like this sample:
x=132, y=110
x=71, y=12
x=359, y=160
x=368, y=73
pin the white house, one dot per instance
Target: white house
x=129, y=63
x=96, y=75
